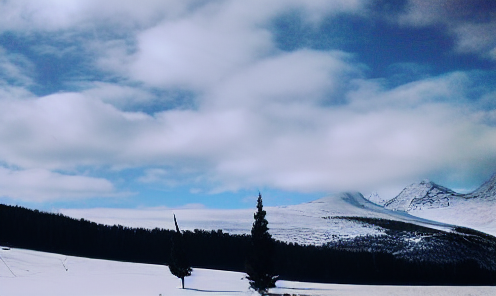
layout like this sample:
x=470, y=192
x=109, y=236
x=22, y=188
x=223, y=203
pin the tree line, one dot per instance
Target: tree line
x=33, y=229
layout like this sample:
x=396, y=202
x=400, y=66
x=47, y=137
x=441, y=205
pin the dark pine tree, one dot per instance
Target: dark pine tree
x=260, y=262
x=179, y=263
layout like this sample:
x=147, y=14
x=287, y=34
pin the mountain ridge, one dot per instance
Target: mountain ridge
x=429, y=200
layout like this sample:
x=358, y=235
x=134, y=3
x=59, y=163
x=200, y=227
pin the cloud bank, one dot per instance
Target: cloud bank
x=200, y=93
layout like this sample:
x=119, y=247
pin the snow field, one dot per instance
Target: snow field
x=25, y=272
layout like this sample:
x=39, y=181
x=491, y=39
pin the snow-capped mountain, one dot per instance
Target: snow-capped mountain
x=428, y=200
x=422, y=195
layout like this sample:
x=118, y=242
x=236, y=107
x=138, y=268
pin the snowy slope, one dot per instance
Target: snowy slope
x=486, y=192
x=428, y=200
x=309, y=223
x=24, y=272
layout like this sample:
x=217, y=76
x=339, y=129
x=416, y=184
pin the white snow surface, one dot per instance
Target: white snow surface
x=307, y=223
x=422, y=195
x=428, y=200
x=476, y=214
x=25, y=272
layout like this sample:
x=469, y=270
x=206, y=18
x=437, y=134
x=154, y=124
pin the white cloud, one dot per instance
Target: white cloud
x=472, y=24
x=213, y=42
x=120, y=96
x=196, y=52
x=39, y=185
x=305, y=76
x=371, y=95
x=306, y=121
x=56, y=15
x=478, y=38
x=15, y=69
x=246, y=134
x=62, y=131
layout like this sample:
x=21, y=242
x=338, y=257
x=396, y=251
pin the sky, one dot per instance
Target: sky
x=112, y=103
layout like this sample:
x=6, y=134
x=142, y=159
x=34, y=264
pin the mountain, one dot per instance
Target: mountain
x=422, y=195
x=431, y=201
x=486, y=192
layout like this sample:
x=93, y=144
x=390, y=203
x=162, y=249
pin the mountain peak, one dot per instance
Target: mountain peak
x=420, y=195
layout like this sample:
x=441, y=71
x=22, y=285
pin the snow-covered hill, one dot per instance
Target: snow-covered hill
x=315, y=222
x=25, y=272
x=428, y=200
x=424, y=203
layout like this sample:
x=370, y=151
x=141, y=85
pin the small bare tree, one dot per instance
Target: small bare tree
x=179, y=263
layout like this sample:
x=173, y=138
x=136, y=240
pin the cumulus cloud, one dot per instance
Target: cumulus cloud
x=195, y=53
x=122, y=97
x=55, y=15
x=274, y=124
x=211, y=43
x=58, y=131
x=305, y=76
x=39, y=185
x=351, y=149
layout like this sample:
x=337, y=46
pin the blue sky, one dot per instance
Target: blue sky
x=205, y=103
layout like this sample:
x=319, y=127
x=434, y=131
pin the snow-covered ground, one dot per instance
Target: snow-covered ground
x=25, y=272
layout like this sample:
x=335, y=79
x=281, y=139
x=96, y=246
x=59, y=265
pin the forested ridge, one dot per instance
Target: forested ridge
x=355, y=262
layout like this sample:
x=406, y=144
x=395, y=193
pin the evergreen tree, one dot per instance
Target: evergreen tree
x=260, y=263
x=179, y=263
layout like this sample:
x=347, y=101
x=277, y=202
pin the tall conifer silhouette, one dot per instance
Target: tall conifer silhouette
x=260, y=263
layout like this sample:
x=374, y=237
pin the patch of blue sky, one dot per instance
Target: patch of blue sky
x=380, y=45
x=60, y=61
x=168, y=99
x=174, y=197
x=171, y=190
x=184, y=196
x=53, y=66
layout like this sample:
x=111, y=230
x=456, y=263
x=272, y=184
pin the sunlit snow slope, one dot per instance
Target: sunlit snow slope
x=428, y=200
